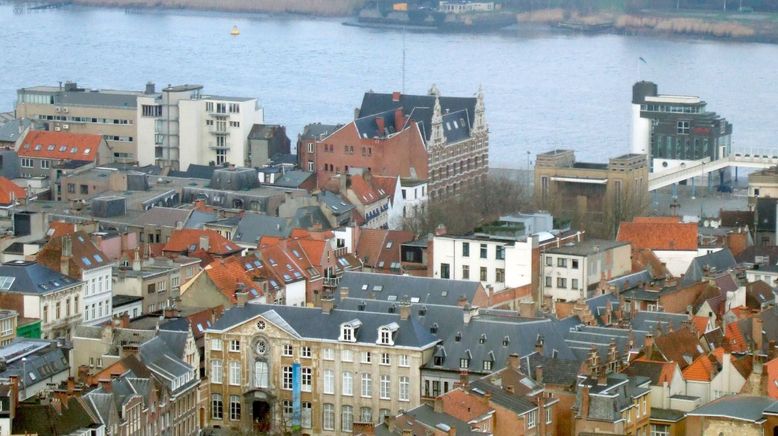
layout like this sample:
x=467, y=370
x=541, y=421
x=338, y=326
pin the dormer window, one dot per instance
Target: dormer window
x=482, y=339
x=506, y=341
x=434, y=328
x=458, y=337
x=348, y=330
x=386, y=333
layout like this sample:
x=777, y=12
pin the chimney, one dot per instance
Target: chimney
x=648, y=343
x=539, y=374
x=327, y=304
x=462, y=301
x=405, y=310
x=105, y=383
x=343, y=179
x=399, y=119
x=170, y=312
x=602, y=378
x=71, y=385
x=149, y=88
x=469, y=312
x=343, y=292
x=464, y=379
x=242, y=297
x=204, y=242
x=136, y=264
x=440, y=230
x=584, y=401
x=539, y=344
x=124, y=320
x=756, y=331
x=396, y=96
x=67, y=253
x=380, y=124
x=130, y=350
x=438, y=405
x=14, y=392
x=514, y=360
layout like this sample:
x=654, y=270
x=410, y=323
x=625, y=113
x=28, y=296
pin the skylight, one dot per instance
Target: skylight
x=6, y=282
x=63, y=148
x=73, y=149
x=87, y=150
x=86, y=261
x=98, y=257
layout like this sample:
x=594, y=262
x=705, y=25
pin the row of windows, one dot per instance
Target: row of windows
x=561, y=262
x=92, y=120
x=366, y=385
x=58, y=309
x=97, y=310
x=456, y=167
x=221, y=108
x=483, y=251
x=561, y=283
x=499, y=273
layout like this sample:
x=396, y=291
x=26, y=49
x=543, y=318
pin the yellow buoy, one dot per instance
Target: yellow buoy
x=235, y=31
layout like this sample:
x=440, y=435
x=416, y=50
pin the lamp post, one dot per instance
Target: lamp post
x=529, y=168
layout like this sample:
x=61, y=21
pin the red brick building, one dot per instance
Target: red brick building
x=444, y=140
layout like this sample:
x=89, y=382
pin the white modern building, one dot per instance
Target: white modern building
x=414, y=196
x=182, y=126
x=571, y=269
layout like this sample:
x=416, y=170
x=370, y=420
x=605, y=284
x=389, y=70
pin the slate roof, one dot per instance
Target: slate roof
x=196, y=171
x=293, y=178
x=163, y=216
x=32, y=278
x=253, y=226
x=34, y=418
x=666, y=415
x=167, y=366
x=555, y=371
x=516, y=403
x=199, y=218
x=420, y=105
x=318, y=130
x=11, y=130
x=649, y=321
x=44, y=144
x=43, y=360
x=304, y=322
x=389, y=287
x=656, y=371
x=720, y=261
x=607, y=402
x=335, y=202
x=120, y=300
x=766, y=252
x=741, y=407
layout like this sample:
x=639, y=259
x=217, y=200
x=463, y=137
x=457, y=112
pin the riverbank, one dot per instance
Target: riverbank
x=746, y=27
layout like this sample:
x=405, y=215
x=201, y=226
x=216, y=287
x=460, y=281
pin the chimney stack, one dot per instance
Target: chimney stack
x=584, y=401
x=514, y=360
x=648, y=343
x=380, y=125
x=327, y=304
x=756, y=333
x=67, y=253
x=464, y=379
x=405, y=310
x=105, y=383
x=136, y=264
x=344, y=292
x=539, y=374
x=242, y=297
x=539, y=344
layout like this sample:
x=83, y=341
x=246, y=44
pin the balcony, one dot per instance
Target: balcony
x=213, y=146
x=331, y=282
x=215, y=131
x=215, y=112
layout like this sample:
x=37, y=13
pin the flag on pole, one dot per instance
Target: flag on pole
x=644, y=61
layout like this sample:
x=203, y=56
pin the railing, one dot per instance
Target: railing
x=331, y=282
x=740, y=158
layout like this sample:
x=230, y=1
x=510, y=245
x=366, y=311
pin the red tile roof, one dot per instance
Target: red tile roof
x=59, y=228
x=700, y=324
x=733, y=338
x=227, y=276
x=659, y=234
x=188, y=241
x=10, y=191
x=381, y=248
x=365, y=192
x=700, y=370
x=387, y=184
x=60, y=145
x=463, y=405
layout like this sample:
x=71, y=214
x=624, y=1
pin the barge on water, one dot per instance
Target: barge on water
x=454, y=16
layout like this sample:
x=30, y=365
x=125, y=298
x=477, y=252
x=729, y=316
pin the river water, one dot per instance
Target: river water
x=542, y=89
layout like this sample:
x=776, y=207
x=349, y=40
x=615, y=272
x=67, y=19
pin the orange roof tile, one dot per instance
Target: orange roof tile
x=381, y=248
x=365, y=192
x=227, y=276
x=700, y=370
x=659, y=235
x=188, y=241
x=10, y=191
x=733, y=338
x=60, y=145
x=656, y=219
x=700, y=324
x=463, y=405
x=59, y=228
x=387, y=183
